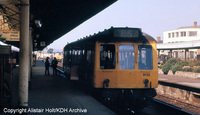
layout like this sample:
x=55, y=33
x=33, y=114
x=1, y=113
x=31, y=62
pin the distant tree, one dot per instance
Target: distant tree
x=50, y=50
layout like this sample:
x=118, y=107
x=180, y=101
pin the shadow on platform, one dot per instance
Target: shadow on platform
x=54, y=94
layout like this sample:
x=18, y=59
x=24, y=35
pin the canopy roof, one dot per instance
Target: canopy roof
x=179, y=45
x=57, y=17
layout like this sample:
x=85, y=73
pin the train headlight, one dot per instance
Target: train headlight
x=146, y=81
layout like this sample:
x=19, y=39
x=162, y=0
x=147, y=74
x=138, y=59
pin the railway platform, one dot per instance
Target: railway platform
x=179, y=89
x=183, y=81
x=54, y=94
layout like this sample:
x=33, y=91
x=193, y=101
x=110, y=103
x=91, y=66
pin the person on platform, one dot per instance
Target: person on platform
x=54, y=65
x=47, y=64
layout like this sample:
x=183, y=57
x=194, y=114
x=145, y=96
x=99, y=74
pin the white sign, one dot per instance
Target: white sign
x=10, y=35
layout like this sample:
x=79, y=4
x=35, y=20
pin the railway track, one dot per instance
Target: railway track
x=176, y=106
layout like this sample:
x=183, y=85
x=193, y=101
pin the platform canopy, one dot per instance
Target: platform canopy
x=179, y=45
x=50, y=19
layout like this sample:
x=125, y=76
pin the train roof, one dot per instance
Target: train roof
x=114, y=34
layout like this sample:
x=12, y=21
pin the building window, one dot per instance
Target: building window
x=169, y=35
x=173, y=35
x=192, y=33
x=183, y=34
x=177, y=34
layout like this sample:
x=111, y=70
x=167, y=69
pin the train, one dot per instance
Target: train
x=58, y=56
x=120, y=63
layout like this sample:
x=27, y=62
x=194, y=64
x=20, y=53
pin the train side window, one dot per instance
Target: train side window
x=145, y=57
x=107, y=56
x=126, y=56
x=90, y=55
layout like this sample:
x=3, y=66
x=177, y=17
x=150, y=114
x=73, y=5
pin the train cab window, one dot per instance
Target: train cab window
x=126, y=56
x=145, y=57
x=107, y=56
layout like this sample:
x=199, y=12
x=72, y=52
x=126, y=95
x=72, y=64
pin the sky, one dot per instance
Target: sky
x=152, y=16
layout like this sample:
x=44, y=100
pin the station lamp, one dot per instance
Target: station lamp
x=38, y=23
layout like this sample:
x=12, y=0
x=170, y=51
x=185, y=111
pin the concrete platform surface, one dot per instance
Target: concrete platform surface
x=55, y=95
x=180, y=80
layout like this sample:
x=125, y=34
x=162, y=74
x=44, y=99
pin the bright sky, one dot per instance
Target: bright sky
x=153, y=16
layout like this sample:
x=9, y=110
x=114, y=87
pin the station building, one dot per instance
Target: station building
x=182, y=43
x=182, y=34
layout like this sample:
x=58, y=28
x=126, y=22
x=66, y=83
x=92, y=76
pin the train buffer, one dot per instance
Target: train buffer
x=54, y=94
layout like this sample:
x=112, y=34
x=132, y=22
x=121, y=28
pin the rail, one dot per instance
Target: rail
x=61, y=72
x=176, y=110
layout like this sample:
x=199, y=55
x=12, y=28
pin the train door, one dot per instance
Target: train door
x=105, y=65
x=127, y=76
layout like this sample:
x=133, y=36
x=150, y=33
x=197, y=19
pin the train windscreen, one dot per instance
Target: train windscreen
x=126, y=56
x=145, y=57
x=107, y=56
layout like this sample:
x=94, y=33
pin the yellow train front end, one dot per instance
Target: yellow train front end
x=59, y=57
x=131, y=66
x=126, y=69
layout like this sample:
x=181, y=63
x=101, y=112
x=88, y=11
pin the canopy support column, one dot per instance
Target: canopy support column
x=24, y=54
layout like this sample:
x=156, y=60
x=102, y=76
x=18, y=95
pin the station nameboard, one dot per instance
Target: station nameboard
x=10, y=35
